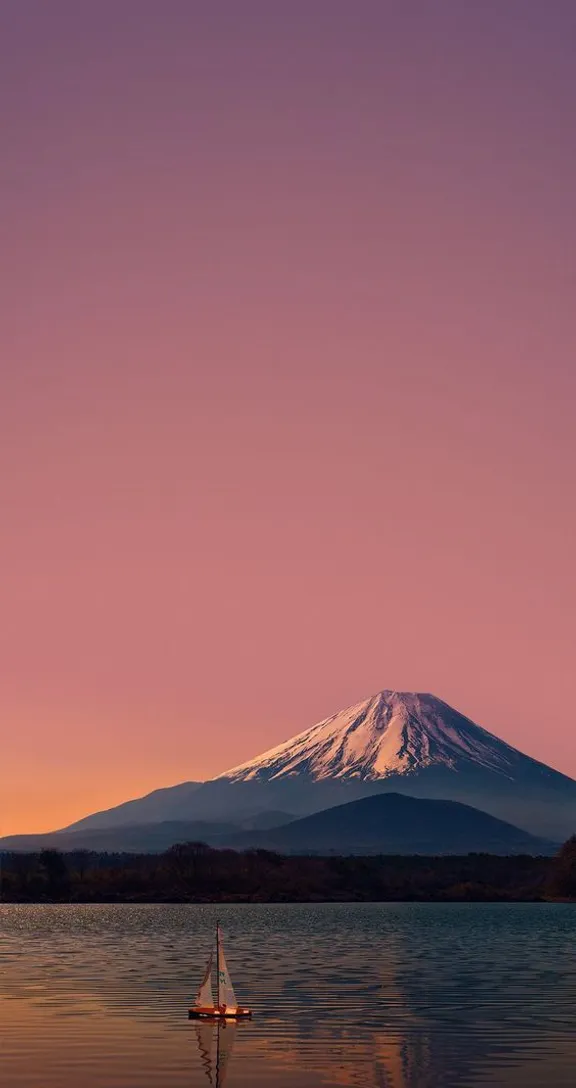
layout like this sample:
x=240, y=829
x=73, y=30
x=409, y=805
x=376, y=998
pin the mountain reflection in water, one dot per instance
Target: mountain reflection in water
x=368, y=995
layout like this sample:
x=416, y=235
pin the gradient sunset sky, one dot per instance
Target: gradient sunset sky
x=287, y=378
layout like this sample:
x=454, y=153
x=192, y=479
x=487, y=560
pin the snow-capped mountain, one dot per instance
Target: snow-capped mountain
x=394, y=742
x=408, y=742
x=391, y=733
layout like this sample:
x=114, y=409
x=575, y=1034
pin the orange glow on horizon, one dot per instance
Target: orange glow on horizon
x=287, y=385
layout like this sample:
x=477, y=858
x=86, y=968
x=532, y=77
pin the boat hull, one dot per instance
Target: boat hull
x=218, y=1014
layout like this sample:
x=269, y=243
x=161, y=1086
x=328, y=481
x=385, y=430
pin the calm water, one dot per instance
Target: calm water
x=380, y=995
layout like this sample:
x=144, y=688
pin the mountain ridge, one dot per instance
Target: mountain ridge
x=148, y=806
x=389, y=823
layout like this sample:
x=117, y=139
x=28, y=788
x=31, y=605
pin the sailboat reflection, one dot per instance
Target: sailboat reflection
x=215, y=1042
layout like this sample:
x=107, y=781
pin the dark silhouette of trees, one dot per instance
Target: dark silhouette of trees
x=194, y=872
x=562, y=876
x=56, y=874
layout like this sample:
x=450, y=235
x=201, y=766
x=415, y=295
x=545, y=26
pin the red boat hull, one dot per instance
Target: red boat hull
x=199, y=1013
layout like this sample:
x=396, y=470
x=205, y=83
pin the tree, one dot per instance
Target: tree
x=56, y=870
x=562, y=880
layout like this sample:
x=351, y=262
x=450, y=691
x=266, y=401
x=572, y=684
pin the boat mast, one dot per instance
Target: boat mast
x=218, y=964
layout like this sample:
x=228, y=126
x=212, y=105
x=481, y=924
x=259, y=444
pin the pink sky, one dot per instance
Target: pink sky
x=287, y=383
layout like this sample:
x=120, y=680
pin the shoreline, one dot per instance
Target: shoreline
x=296, y=901
x=198, y=874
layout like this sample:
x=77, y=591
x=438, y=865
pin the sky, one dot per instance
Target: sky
x=287, y=377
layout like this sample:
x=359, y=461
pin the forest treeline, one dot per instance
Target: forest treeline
x=194, y=872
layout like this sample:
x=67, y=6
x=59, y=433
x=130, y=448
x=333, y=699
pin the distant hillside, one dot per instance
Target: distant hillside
x=392, y=823
x=145, y=838
x=148, y=838
x=386, y=823
x=169, y=803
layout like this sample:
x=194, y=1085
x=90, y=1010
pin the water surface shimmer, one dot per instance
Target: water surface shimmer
x=370, y=995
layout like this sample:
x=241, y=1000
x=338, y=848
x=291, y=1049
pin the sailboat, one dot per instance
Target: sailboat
x=226, y=1004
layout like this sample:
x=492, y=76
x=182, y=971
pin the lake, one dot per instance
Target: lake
x=371, y=995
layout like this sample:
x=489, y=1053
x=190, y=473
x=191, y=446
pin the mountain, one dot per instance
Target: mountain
x=391, y=733
x=138, y=838
x=393, y=742
x=393, y=823
x=264, y=820
x=403, y=742
x=171, y=802
x=382, y=824
x=144, y=838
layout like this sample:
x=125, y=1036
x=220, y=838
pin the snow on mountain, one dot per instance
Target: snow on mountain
x=403, y=742
x=391, y=733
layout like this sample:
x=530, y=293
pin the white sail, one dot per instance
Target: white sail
x=226, y=995
x=205, y=997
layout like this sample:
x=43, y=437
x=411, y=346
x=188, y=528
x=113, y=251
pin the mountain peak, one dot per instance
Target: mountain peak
x=390, y=733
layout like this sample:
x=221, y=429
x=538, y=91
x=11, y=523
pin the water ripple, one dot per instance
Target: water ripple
x=367, y=995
